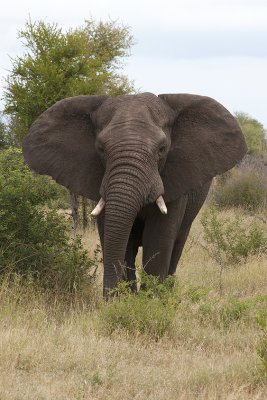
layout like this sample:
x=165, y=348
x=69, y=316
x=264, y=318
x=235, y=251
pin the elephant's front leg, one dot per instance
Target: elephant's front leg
x=135, y=240
x=100, y=227
x=159, y=237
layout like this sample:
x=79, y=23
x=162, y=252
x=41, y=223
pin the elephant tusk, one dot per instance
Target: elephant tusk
x=98, y=208
x=161, y=205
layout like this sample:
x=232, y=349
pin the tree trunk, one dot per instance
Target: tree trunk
x=74, y=202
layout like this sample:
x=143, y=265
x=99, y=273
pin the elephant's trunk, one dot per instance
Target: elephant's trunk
x=129, y=184
x=119, y=218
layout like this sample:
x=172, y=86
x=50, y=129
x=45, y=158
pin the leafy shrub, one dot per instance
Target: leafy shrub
x=245, y=185
x=230, y=241
x=224, y=313
x=161, y=308
x=150, y=313
x=34, y=239
x=228, y=311
x=196, y=294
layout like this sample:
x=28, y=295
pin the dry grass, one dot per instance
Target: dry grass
x=43, y=358
x=196, y=266
x=52, y=351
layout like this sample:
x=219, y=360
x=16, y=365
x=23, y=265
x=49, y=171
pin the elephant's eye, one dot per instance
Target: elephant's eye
x=101, y=149
x=162, y=149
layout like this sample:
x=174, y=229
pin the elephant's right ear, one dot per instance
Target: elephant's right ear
x=206, y=140
x=60, y=143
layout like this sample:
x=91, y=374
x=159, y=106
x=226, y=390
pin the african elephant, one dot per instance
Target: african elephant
x=130, y=152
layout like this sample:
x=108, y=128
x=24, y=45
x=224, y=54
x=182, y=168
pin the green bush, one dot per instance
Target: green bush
x=224, y=313
x=34, y=239
x=253, y=131
x=150, y=313
x=161, y=309
x=230, y=241
x=228, y=311
x=245, y=185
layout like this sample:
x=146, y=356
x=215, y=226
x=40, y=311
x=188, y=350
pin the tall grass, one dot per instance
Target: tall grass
x=54, y=349
x=245, y=185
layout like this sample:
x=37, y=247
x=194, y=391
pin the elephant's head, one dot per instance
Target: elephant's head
x=131, y=150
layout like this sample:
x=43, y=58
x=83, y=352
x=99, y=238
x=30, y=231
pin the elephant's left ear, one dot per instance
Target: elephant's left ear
x=206, y=141
x=61, y=143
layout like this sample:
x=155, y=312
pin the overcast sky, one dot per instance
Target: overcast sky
x=216, y=48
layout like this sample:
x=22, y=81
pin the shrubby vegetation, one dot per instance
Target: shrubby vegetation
x=160, y=308
x=34, y=239
x=151, y=313
x=230, y=241
x=43, y=303
x=36, y=243
x=245, y=185
x=254, y=133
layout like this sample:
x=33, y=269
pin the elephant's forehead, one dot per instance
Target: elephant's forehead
x=146, y=107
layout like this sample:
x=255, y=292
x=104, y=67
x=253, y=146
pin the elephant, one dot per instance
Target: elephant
x=147, y=160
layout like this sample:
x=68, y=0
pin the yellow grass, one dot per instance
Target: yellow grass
x=49, y=350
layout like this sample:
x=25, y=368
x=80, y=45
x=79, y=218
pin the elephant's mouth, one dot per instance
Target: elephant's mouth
x=101, y=204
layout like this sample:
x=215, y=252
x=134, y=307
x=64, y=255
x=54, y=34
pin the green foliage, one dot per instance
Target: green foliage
x=224, y=313
x=96, y=379
x=33, y=238
x=159, y=309
x=3, y=134
x=197, y=294
x=230, y=241
x=253, y=131
x=83, y=61
x=245, y=185
x=150, y=313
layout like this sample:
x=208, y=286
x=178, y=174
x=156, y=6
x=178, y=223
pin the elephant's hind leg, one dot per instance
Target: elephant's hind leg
x=177, y=250
x=195, y=202
x=159, y=237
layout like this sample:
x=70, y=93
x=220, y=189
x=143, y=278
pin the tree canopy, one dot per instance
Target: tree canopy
x=82, y=61
x=3, y=138
x=253, y=131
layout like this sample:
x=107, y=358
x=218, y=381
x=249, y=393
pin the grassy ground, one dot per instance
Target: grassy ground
x=50, y=349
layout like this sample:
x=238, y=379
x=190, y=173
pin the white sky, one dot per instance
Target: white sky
x=210, y=47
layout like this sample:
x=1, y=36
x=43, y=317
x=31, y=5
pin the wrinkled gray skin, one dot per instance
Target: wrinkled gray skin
x=129, y=151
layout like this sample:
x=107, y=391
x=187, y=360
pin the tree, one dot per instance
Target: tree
x=82, y=61
x=253, y=131
x=3, y=133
